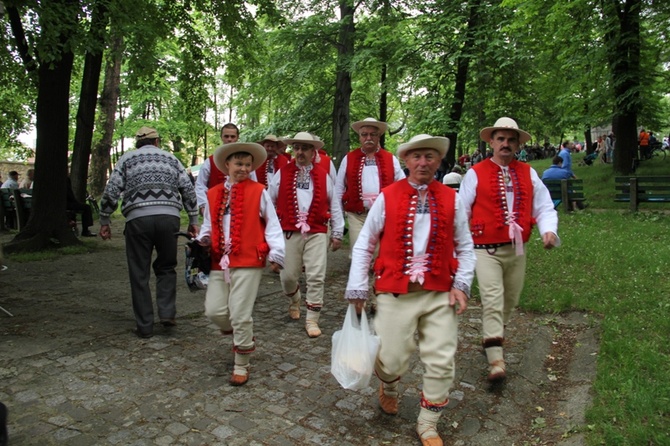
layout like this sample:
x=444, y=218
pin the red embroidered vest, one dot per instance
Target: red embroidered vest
x=247, y=229
x=262, y=172
x=287, y=200
x=215, y=175
x=395, y=246
x=351, y=199
x=487, y=222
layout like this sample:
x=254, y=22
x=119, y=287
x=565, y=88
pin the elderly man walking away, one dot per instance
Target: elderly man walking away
x=306, y=202
x=503, y=198
x=422, y=279
x=155, y=187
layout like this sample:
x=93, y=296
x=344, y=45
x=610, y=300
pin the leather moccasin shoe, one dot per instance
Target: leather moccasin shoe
x=431, y=441
x=497, y=372
x=313, y=330
x=388, y=404
x=239, y=380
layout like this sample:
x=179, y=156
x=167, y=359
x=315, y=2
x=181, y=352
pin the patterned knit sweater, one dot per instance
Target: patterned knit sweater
x=149, y=178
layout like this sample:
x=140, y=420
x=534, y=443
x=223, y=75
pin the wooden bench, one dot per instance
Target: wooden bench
x=566, y=191
x=638, y=189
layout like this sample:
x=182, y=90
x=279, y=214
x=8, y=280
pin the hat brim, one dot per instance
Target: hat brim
x=317, y=143
x=382, y=126
x=222, y=153
x=439, y=143
x=279, y=141
x=486, y=133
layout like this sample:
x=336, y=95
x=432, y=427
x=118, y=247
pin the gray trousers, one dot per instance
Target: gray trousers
x=142, y=236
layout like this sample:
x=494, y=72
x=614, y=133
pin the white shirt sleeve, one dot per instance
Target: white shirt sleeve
x=274, y=236
x=463, y=249
x=341, y=181
x=363, y=250
x=468, y=191
x=543, y=207
x=201, y=183
x=336, y=217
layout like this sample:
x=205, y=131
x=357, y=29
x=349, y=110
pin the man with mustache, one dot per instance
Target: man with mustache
x=363, y=173
x=503, y=198
x=306, y=202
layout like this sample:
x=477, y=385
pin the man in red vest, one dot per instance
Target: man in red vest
x=363, y=173
x=306, y=203
x=275, y=161
x=422, y=277
x=504, y=198
x=209, y=175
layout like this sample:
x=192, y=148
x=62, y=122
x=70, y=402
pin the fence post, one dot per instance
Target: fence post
x=633, y=194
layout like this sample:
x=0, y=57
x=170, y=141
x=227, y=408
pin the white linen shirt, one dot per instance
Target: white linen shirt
x=542, y=207
x=274, y=236
x=369, y=179
x=305, y=201
x=364, y=248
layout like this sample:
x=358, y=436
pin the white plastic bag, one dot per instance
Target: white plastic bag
x=352, y=358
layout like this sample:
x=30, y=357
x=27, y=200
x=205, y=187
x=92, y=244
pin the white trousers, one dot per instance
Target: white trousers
x=310, y=252
x=500, y=277
x=429, y=313
x=230, y=305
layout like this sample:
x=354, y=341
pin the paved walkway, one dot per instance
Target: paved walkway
x=73, y=374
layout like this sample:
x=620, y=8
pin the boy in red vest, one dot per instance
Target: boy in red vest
x=306, y=203
x=503, y=199
x=241, y=227
x=422, y=279
x=209, y=175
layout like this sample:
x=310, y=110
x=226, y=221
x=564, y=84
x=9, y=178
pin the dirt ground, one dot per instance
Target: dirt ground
x=73, y=302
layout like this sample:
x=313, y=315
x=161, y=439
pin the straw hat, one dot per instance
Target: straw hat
x=370, y=122
x=305, y=138
x=222, y=153
x=272, y=138
x=504, y=123
x=423, y=141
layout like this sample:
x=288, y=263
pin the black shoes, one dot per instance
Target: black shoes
x=142, y=334
x=88, y=234
x=168, y=323
x=3, y=425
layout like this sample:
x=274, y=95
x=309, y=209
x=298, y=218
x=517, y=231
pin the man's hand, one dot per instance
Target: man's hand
x=275, y=267
x=549, y=240
x=193, y=230
x=335, y=244
x=202, y=210
x=457, y=296
x=359, y=304
x=105, y=232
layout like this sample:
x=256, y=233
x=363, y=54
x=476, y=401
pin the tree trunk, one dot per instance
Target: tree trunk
x=47, y=225
x=383, y=102
x=463, y=65
x=343, y=89
x=101, y=158
x=623, y=41
x=88, y=97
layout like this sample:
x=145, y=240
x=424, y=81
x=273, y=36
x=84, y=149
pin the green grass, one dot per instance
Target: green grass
x=615, y=265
